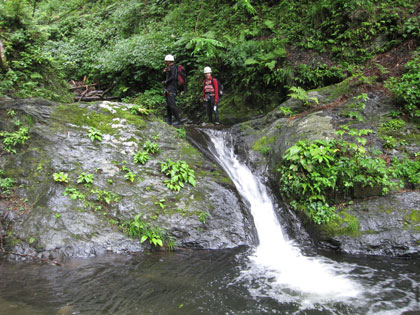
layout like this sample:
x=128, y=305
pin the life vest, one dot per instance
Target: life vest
x=208, y=86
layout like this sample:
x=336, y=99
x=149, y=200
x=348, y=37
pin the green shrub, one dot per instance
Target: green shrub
x=106, y=196
x=392, y=125
x=151, y=147
x=95, y=134
x=85, y=178
x=314, y=174
x=141, y=157
x=130, y=176
x=407, y=171
x=28, y=70
x=74, y=194
x=143, y=230
x=179, y=173
x=13, y=139
x=6, y=183
x=61, y=177
x=407, y=88
x=300, y=94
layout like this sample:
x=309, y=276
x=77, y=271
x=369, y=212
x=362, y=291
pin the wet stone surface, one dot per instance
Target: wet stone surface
x=209, y=216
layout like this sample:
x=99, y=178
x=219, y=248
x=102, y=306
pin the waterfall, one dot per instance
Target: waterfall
x=275, y=259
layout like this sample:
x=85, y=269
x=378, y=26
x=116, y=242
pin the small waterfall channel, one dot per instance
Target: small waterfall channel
x=277, y=263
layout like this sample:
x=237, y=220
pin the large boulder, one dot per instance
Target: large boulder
x=388, y=226
x=56, y=221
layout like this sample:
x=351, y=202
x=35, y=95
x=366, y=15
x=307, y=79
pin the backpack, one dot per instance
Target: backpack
x=182, y=79
x=220, y=86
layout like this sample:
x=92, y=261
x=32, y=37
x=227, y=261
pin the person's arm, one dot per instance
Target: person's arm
x=172, y=75
x=216, y=91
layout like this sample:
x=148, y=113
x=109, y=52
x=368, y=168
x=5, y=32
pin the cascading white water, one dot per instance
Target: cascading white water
x=276, y=259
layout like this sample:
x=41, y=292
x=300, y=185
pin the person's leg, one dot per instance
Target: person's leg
x=172, y=105
x=168, y=111
x=216, y=113
x=210, y=105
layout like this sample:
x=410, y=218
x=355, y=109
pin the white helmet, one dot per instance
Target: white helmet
x=207, y=70
x=169, y=58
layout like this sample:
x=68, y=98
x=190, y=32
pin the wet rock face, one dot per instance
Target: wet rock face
x=62, y=223
x=387, y=226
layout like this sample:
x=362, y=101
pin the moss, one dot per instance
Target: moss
x=81, y=116
x=262, y=145
x=336, y=91
x=219, y=177
x=343, y=224
x=190, y=151
x=245, y=127
x=12, y=241
x=387, y=210
x=413, y=217
x=135, y=120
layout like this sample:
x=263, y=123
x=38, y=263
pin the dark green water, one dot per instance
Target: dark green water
x=197, y=282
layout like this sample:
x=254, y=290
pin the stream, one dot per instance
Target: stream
x=275, y=277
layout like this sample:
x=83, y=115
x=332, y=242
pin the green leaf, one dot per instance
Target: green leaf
x=251, y=61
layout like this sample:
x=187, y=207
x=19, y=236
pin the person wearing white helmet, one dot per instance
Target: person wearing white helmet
x=211, y=95
x=170, y=84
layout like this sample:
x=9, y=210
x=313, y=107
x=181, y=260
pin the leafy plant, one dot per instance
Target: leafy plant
x=130, y=176
x=203, y=216
x=181, y=132
x=355, y=115
x=151, y=147
x=106, y=196
x=13, y=139
x=406, y=170
x=95, y=134
x=179, y=173
x=300, y=94
x=141, y=157
x=407, y=88
x=161, y=203
x=137, y=110
x=314, y=174
x=286, y=111
x=61, y=177
x=143, y=230
x=392, y=125
x=85, y=178
x=6, y=183
x=74, y=194
x=389, y=142
x=11, y=113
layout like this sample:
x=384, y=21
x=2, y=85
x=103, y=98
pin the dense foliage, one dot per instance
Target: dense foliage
x=407, y=88
x=26, y=68
x=259, y=49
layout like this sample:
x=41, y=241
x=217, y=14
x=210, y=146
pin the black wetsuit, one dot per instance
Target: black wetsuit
x=170, y=92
